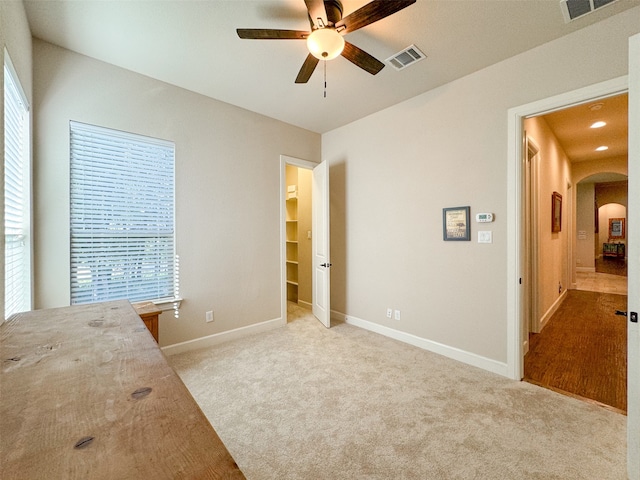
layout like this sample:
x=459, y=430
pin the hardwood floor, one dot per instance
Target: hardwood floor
x=583, y=349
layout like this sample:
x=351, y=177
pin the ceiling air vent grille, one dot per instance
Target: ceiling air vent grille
x=572, y=9
x=406, y=57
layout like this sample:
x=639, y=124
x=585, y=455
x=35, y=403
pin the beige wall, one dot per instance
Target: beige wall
x=394, y=171
x=227, y=186
x=15, y=37
x=554, y=175
x=585, y=223
x=582, y=170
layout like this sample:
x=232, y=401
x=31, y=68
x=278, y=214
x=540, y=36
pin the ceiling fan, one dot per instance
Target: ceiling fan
x=325, y=41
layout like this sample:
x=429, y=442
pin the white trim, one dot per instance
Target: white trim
x=552, y=309
x=218, y=338
x=445, y=350
x=303, y=304
x=586, y=269
x=515, y=119
x=633, y=252
x=167, y=304
x=9, y=64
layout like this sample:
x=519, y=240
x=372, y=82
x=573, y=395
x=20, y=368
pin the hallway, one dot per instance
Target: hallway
x=582, y=351
x=601, y=282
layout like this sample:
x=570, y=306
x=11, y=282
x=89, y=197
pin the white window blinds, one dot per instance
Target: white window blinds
x=122, y=216
x=17, y=250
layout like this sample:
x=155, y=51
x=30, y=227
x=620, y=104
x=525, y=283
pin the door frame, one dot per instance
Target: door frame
x=515, y=198
x=633, y=279
x=530, y=239
x=295, y=162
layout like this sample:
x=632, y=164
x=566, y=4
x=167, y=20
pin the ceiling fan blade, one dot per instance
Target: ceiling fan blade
x=270, y=34
x=361, y=58
x=372, y=12
x=316, y=10
x=307, y=69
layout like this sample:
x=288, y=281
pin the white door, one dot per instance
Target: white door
x=633, y=244
x=320, y=244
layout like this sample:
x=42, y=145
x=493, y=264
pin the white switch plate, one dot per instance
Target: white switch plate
x=396, y=314
x=209, y=316
x=485, y=237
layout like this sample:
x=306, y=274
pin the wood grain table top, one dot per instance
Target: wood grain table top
x=85, y=392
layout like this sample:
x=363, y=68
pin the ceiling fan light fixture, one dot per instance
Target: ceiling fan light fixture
x=325, y=43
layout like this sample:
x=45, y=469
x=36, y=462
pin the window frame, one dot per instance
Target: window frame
x=81, y=134
x=24, y=211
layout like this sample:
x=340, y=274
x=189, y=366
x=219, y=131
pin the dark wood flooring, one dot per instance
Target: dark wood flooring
x=612, y=266
x=583, y=349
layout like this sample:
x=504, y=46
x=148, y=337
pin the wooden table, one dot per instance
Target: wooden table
x=85, y=392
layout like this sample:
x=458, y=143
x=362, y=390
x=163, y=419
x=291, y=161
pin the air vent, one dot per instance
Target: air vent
x=572, y=9
x=406, y=57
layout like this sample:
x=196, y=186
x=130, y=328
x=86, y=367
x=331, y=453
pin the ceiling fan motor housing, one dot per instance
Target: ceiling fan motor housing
x=333, y=9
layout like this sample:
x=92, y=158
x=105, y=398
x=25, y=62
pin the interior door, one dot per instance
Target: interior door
x=320, y=244
x=633, y=267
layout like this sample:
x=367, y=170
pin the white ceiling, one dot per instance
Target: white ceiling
x=193, y=44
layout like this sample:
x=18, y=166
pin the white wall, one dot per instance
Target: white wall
x=15, y=37
x=394, y=171
x=227, y=186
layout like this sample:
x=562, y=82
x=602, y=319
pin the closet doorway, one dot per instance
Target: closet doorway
x=305, y=250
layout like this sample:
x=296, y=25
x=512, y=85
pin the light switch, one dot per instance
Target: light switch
x=485, y=237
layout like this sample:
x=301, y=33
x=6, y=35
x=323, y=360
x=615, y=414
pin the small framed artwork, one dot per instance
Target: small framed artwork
x=455, y=223
x=616, y=228
x=556, y=212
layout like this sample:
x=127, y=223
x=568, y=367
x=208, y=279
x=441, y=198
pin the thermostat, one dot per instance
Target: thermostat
x=484, y=217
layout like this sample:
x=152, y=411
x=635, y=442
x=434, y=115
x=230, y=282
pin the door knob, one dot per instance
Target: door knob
x=326, y=264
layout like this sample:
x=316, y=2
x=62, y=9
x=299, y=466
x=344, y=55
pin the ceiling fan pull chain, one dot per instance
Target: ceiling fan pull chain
x=325, y=79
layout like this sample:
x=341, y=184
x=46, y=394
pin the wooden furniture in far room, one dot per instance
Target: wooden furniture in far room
x=615, y=250
x=148, y=312
x=87, y=393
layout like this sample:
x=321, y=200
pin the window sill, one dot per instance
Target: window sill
x=167, y=304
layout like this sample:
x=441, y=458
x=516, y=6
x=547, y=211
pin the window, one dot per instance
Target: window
x=17, y=191
x=122, y=217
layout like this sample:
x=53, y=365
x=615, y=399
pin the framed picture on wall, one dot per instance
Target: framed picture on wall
x=616, y=228
x=556, y=212
x=455, y=224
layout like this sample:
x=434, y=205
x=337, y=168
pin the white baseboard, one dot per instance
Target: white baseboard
x=549, y=313
x=586, y=269
x=304, y=304
x=222, y=337
x=451, y=352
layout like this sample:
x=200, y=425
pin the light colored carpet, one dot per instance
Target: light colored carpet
x=305, y=402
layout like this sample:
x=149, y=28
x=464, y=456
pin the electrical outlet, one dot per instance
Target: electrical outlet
x=389, y=312
x=209, y=316
x=396, y=315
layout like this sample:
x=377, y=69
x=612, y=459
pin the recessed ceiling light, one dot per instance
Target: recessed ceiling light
x=596, y=106
x=602, y=148
x=598, y=124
